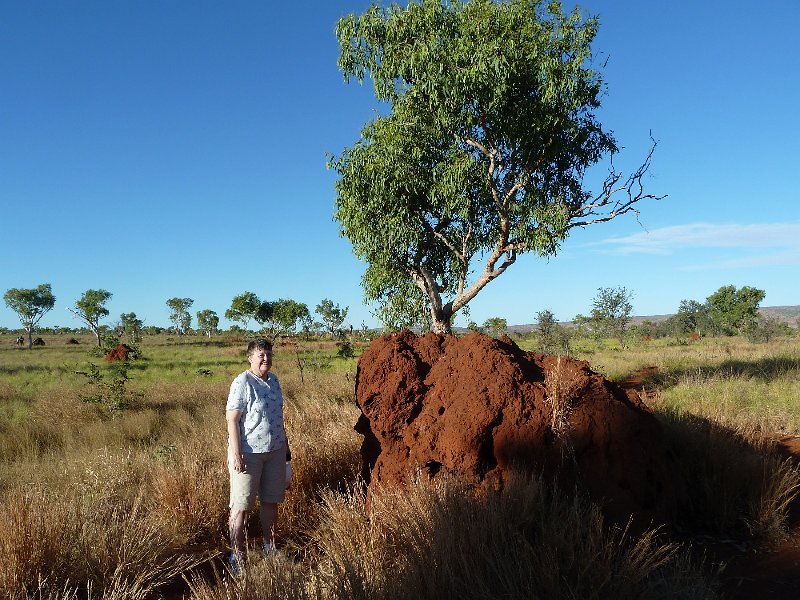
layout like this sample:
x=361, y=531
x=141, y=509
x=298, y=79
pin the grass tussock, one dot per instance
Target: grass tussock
x=50, y=541
x=738, y=484
x=189, y=492
x=527, y=542
x=562, y=390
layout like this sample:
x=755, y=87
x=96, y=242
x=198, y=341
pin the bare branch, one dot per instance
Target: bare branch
x=632, y=190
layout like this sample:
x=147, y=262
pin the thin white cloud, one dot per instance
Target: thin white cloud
x=782, y=238
x=749, y=262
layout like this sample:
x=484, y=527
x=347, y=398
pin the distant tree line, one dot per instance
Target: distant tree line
x=728, y=311
x=273, y=318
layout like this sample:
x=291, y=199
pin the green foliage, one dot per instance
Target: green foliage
x=552, y=337
x=109, y=341
x=691, y=316
x=765, y=329
x=132, y=326
x=495, y=326
x=280, y=318
x=611, y=312
x=345, y=349
x=243, y=308
x=30, y=304
x=110, y=387
x=734, y=310
x=165, y=452
x=207, y=321
x=180, y=317
x=332, y=315
x=482, y=153
x=365, y=333
x=90, y=308
x=473, y=326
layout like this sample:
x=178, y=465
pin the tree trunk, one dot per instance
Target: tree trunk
x=30, y=337
x=440, y=321
x=442, y=327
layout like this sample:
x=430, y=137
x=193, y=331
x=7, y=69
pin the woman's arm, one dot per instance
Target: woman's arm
x=234, y=442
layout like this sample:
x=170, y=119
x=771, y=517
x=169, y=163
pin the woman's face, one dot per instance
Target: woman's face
x=260, y=362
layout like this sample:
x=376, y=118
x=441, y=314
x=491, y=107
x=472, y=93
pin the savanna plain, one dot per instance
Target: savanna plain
x=114, y=483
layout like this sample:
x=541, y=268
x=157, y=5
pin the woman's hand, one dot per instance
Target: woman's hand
x=237, y=462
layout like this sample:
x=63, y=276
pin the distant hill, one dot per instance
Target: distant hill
x=786, y=314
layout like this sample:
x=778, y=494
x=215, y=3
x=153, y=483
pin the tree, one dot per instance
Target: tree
x=180, y=316
x=691, y=316
x=552, y=337
x=489, y=133
x=90, y=308
x=495, y=326
x=734, y=311
x=279, y=318
x=30, y=304
x=132, y=326
x=307, y=325
x=766, y=328
x=332, y=315
x=611, y=312
x=243, y=308
x=207, y=321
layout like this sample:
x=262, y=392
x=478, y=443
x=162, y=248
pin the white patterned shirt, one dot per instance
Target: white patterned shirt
x=261, y=404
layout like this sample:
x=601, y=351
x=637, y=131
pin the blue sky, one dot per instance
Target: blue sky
x=162, y=149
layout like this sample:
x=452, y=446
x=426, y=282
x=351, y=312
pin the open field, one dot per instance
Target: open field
x=132, y=503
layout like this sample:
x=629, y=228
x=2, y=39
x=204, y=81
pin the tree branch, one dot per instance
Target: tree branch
x=438, y=234
x=587, y=214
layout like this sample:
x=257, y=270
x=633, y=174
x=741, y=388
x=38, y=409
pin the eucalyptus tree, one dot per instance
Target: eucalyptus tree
x=207, y=321
x=734, y=310
x=495, y=326
x=552, y=337
x=480, y=155
x=90, y=308
x=611, y=312
x=243, y=308
x=180, y=316
x=280, y=318
x=30, y=304
x=692, y=316
x=132, y=326
x=332, y=316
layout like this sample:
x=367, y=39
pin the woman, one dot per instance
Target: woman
x=258, y=451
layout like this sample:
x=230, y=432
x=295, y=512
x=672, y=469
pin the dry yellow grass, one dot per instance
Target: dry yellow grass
x=92, y=493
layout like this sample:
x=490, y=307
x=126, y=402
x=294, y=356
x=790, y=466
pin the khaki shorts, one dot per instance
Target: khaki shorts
x=264, y=475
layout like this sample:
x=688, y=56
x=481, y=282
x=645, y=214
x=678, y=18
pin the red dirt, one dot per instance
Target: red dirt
x=475, y=406
x=119, y=353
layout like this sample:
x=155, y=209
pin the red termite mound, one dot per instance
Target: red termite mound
x=476, y=407
x=119, y=353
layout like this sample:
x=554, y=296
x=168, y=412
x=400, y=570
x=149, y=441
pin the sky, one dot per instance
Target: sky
x=178, y=149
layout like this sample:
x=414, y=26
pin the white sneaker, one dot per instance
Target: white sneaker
x=235, y=565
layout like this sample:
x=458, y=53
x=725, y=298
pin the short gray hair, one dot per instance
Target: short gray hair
x=259, y=344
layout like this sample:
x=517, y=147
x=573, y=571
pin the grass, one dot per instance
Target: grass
x=125, y=504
